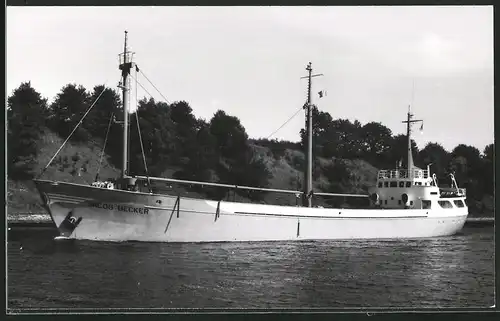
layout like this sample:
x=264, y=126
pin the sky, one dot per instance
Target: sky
x=248, y=61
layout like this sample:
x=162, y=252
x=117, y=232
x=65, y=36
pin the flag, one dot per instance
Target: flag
x=422, y=128
x=322, y=93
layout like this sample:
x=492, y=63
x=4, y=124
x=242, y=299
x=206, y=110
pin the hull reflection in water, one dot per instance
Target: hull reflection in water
x=117, y=215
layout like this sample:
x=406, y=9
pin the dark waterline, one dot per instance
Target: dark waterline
x=456, y=271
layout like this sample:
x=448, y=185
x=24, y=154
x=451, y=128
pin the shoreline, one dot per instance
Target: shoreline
x=480, y=221
x=29, y=218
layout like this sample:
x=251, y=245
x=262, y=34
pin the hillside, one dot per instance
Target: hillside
x=75, y=163
x=79, y=163
x=176, y=144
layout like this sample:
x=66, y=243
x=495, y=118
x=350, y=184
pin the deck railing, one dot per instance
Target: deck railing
x=235, y=187
x=403, y=173
x=451, y=191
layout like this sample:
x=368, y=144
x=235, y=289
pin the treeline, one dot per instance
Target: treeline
x=219, y=150
x=373, y=142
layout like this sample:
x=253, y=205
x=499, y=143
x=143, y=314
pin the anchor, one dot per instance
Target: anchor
x=69, y=224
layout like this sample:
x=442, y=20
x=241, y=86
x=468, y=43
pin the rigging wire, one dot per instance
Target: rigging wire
x=72, y=132
x=289, y=119
x=104, y=147
x=138, y=83
x=139, y=132
x=166, y=100
x=128, y=131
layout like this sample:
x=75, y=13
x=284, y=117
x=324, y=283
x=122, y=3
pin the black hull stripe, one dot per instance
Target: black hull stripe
x=335, y=217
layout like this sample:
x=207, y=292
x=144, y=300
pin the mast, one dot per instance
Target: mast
x=409, y=121
x=126, y=65
x=307, y=196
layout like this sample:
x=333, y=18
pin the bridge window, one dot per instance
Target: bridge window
x=459, y=203
x=385, y=202
x=401, y=184
x=426, y=204
x=399, y=202
x=379, y=184
x=386, y=184
x=411, y=202
x=394, y=184
x=445, y=204
x=408, y=184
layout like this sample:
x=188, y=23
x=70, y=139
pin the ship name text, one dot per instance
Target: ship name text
x=121, y=208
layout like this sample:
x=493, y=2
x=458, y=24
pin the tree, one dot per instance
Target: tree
x=338, y=139
x=321, y=125
x=334, y=138
x=436, y=154
x=339, y=177
x=466, y=164
x=471, y=158
x=26, y=114
x=489, y=152
x=231, y=137
x=237, y=164
x=158, y=135
x=487, y=172
x=186, y=127
x=377, y=141
x=399, y=151
x=245, y=170
x=202, y=156
x=357, y=146
x=67, y=109
x=98, y=118
x=182, y=114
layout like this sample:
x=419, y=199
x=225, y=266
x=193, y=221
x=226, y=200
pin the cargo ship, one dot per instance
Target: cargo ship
x=405, y=203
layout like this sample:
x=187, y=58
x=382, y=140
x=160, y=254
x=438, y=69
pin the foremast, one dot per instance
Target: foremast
x=308, y=190
x=126, y=65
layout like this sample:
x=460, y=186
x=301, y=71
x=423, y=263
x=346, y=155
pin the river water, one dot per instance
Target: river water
x=456, y=271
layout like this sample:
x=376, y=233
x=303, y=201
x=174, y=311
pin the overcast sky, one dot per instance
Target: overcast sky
x=248, y=61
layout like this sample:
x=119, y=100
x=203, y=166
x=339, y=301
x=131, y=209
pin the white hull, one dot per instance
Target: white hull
x=114, y=215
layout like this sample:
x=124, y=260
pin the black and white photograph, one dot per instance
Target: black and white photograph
x=212, y=158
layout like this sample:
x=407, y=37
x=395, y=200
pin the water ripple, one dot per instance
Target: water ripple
x=455, y=271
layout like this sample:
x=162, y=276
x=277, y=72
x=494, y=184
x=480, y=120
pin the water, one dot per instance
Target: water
x=455, y=271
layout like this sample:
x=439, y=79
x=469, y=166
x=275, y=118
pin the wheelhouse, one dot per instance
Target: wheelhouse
x=415, y=188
